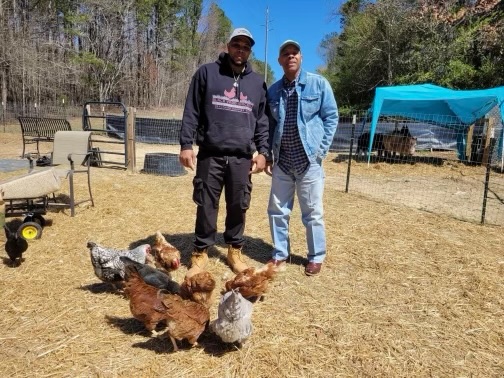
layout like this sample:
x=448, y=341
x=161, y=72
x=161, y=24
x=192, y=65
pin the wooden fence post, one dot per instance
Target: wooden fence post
x=469, y=140
x=2, y=211
x=490, y=122
x=130, y=140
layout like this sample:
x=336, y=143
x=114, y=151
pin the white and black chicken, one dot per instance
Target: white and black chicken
x=234, y=318
x=107, y=264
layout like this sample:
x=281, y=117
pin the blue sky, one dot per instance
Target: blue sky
x=306, y=21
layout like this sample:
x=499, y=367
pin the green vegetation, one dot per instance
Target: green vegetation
x=457, y=44
x=144, y=52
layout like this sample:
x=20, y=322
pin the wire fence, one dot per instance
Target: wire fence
x=10, y=111
x=449, y=169
x=454, y=170
x=435, y=168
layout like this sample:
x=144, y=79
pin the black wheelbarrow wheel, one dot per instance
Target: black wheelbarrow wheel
x=37, y=218
x=30, y=231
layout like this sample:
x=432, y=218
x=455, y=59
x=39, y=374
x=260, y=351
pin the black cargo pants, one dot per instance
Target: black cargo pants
x=212, y=175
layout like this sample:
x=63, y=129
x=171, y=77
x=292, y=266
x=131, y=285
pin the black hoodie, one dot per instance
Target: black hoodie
x=226, y=120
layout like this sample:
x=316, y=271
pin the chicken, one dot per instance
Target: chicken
x=14, y=246
x=145, y=300
x=166, y=256
x=252, y=283
x=186, y=319
x=107, y=265
x=234, y=321
x=152, y=276
x=199, y=288
x=231, y=93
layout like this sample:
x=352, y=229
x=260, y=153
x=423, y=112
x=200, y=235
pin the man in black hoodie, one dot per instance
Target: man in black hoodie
x=225, y=113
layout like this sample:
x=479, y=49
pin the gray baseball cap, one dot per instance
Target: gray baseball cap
x=244, y=32
x=287, y=43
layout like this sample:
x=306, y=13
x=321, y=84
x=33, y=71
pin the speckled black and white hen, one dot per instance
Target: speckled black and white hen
x=107, y=264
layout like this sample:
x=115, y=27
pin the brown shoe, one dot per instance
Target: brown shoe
x=199, y=259
x=312, y=268
x=236, y=260
x=199, y=262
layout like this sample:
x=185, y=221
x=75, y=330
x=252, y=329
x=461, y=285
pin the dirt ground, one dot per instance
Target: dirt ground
x=403, y=292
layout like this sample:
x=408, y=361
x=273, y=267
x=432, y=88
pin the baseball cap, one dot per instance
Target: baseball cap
x=244, y=32
x=287, y=43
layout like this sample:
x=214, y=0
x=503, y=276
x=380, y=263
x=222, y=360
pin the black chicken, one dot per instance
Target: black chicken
x=14, y=246
x=152, y=276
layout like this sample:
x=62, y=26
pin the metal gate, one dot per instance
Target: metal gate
x=108, y=122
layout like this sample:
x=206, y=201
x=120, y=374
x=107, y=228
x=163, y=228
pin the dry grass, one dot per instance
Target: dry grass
x=403, y=293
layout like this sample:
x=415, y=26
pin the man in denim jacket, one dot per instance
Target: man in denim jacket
x=303, y=120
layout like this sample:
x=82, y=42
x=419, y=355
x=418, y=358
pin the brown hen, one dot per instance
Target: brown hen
x=199, y=288
x=252, y=283
x=166, y=256
x=145, y=300
x=186, y=319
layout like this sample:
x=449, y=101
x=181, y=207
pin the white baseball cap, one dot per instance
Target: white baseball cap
x=244, y=32
x=287, y=43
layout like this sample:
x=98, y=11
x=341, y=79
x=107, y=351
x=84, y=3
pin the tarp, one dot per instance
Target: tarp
x=456, y=109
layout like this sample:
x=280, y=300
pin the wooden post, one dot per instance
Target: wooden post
x=490, y=122
x=3, y=236
x=469, y=139
x=2, y=212
x=86, y=120
x=130, y=140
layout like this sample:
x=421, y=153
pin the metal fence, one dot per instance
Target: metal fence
x=147, y=130
x=441, y=175
x=10, y=111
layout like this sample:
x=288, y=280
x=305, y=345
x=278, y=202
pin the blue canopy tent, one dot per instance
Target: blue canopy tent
x=455, y=109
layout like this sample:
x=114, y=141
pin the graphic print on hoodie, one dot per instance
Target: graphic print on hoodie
x=230, y=101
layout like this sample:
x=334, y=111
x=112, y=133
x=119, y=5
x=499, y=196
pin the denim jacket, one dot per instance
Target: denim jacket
x=317, y=115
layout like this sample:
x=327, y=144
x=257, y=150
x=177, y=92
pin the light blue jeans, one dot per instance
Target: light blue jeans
x=309, y=187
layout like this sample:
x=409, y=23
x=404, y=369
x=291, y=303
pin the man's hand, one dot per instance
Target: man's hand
x=187, y=158
x=269, y=168
x=258, y=163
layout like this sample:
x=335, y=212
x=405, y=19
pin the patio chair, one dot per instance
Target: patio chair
x=71, y=151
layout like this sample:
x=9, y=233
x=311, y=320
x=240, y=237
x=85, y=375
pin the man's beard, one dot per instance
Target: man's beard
x=242, y=64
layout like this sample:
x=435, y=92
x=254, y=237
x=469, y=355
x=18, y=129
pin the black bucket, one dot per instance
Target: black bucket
x=161, y=163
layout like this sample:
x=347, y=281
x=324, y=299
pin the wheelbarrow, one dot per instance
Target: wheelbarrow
x=31, y=194
x=28, y=196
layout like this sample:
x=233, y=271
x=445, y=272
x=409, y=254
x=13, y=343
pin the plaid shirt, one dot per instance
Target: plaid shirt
x=292, y=154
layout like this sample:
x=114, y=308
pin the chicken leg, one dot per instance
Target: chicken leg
x=174, y=342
